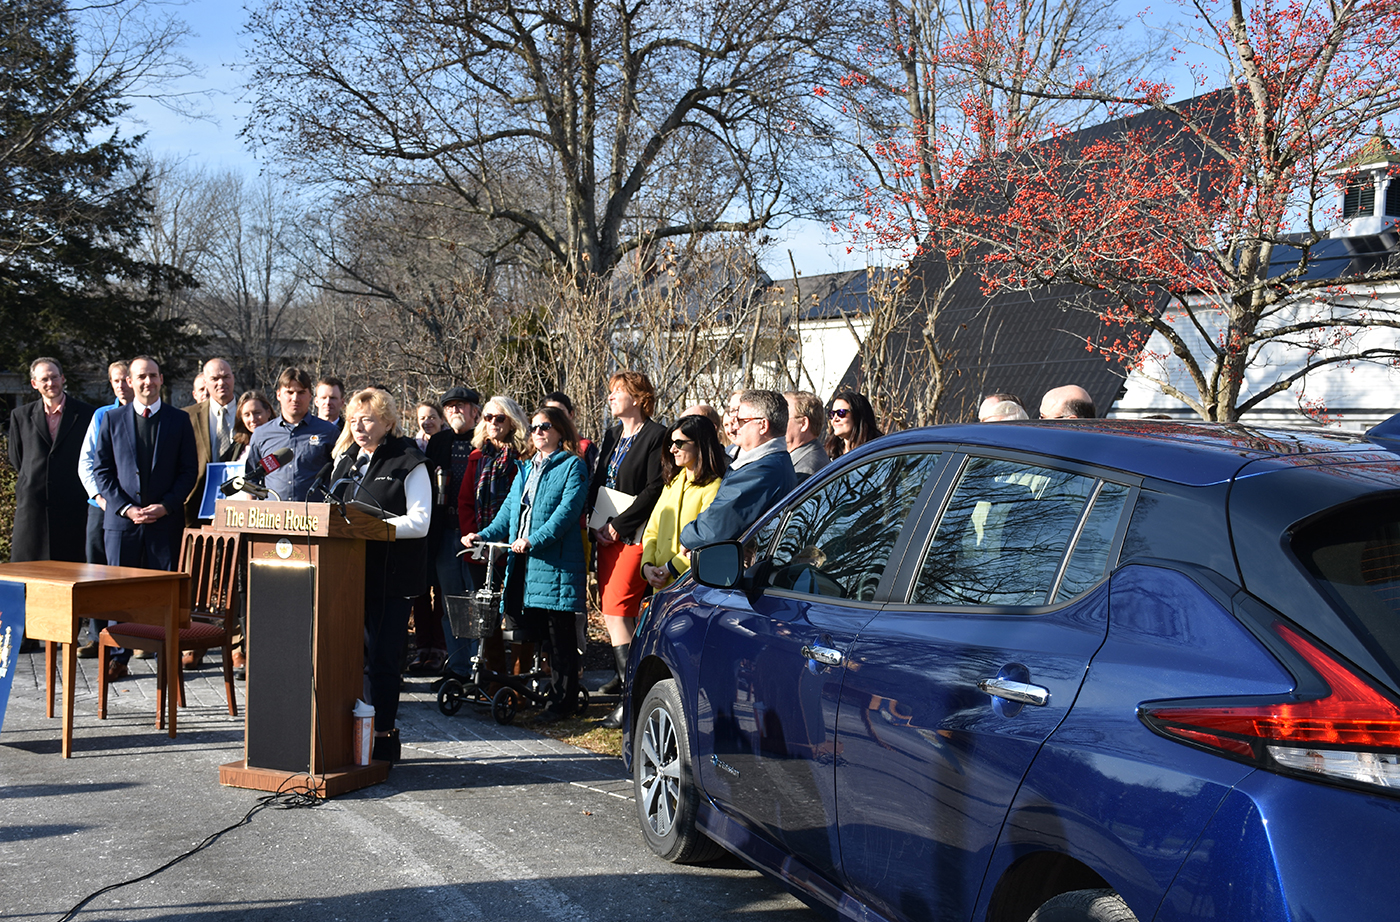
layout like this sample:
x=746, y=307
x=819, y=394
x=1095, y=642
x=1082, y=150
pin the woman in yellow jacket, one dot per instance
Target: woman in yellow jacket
x=693, y=467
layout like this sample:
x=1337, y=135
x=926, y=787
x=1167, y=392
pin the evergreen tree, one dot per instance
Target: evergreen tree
x=72, y=207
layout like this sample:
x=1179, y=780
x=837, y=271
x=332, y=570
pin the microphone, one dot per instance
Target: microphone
x=240, y=484
x=355, y=477
x=279, y=458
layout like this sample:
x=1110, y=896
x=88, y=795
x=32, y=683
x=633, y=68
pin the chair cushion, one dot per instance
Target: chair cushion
x=196, y=634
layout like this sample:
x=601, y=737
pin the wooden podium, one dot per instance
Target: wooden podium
x=305, y=637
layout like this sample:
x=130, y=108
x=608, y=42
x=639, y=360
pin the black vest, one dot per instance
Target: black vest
x=396, y=568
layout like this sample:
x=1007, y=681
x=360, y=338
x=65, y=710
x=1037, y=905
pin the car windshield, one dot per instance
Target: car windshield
x=1354, y=555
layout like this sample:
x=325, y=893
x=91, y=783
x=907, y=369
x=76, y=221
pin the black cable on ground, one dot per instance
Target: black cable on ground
x=282, y=799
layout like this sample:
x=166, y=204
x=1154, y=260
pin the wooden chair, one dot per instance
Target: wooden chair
x=211, y=559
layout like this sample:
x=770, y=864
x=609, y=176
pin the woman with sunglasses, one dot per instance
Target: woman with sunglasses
x=694, y=463
x=501, y=437
x=852, y=423
x=629, y=462
x=545, y=569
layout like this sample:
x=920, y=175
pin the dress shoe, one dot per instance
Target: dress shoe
x=88, y=650
x=192, y=659
x=144, y=654
x=613, y=721
x=116, y=669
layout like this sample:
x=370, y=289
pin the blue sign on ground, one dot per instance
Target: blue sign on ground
x=11, y=635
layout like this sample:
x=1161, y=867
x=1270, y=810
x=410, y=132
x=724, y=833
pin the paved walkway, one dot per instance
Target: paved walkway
x=469, y=735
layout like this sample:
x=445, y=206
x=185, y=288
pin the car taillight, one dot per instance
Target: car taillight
x=1352, y=733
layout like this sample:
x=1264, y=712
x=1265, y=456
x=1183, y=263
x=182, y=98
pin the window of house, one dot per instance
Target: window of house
x=1003, y=535
x=837, y=541
x=1359, y=197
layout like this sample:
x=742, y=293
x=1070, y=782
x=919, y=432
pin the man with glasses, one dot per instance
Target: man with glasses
x=760, y=474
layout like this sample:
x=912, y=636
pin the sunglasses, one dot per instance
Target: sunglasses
x=838, y=413
x=496, y=417
x=681, y=443
x=541, y=427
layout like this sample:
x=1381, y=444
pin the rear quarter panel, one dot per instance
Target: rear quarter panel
x=1105, y=790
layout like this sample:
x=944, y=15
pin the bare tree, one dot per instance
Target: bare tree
x=241, y=241
x=580, y=130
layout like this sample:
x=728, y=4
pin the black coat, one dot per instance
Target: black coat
x=399, y=567
x=50, y=502
x=640, y=474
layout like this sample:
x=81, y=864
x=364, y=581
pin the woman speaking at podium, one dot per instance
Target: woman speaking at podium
x=383, y=473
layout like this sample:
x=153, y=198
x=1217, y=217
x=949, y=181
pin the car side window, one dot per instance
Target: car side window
x=1003, y=535
x=1088, y=563
x=837, y=541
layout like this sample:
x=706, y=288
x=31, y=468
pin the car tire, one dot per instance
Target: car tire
x=663, y=780
x=1084, y=906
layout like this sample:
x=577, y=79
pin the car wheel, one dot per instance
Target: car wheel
x=663, y=782
x=1084, y=906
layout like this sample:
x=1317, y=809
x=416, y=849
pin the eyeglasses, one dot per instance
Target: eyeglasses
x=745, y=420
x=541, y=427
x=681, y=443
x=838, y=413
x=496, y=417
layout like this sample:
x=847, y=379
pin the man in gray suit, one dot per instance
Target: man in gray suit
x=804, y=433
x=213, y=421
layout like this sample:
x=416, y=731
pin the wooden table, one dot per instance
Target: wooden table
x=58, y=594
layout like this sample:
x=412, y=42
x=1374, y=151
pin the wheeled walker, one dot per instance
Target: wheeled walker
x=478, y=617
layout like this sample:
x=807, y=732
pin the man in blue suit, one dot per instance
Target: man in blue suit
x=760, y=475
x=146, y=466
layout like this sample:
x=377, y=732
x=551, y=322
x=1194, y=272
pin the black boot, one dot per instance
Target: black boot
x=614, y=720
x=614, y=685
x=386, y=748
x=620, y=656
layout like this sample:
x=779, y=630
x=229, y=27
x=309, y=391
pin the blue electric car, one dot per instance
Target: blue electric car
x=1050, y=671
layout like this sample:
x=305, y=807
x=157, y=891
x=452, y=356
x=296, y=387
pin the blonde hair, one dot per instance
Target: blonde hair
x=380, y=405
x=519, y=438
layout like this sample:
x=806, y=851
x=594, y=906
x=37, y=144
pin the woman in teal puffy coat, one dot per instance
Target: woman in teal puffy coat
x=545, y=567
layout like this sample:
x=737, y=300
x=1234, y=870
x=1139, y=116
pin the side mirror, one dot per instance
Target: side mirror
x=719, y=566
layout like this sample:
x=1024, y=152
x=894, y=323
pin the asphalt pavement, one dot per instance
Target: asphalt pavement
x=478, y=822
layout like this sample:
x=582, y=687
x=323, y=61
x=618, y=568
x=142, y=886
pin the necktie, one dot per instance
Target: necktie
x=221, y=426
x=146, y=412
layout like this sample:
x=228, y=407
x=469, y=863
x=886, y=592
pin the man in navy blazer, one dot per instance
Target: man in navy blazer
x=146, y=466
x=759, y=476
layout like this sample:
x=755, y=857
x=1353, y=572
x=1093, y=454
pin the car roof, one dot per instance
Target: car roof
x=1188, y=453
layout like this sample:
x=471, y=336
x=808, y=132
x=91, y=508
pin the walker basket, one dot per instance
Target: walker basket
x=473, y=616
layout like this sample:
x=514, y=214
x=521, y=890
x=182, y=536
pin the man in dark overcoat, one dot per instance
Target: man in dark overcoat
x=46, y=437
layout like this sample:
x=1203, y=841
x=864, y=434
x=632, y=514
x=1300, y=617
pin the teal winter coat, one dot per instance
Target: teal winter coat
x=555, y=578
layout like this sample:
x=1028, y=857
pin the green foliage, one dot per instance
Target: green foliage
x=72, y=208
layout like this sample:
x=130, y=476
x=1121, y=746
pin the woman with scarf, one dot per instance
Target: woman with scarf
x=545, y=567
x=501, y=437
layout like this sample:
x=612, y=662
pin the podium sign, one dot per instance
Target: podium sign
x=305, y=636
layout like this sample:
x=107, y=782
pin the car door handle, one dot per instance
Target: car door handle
x=1020, y=692
x=824, y=655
